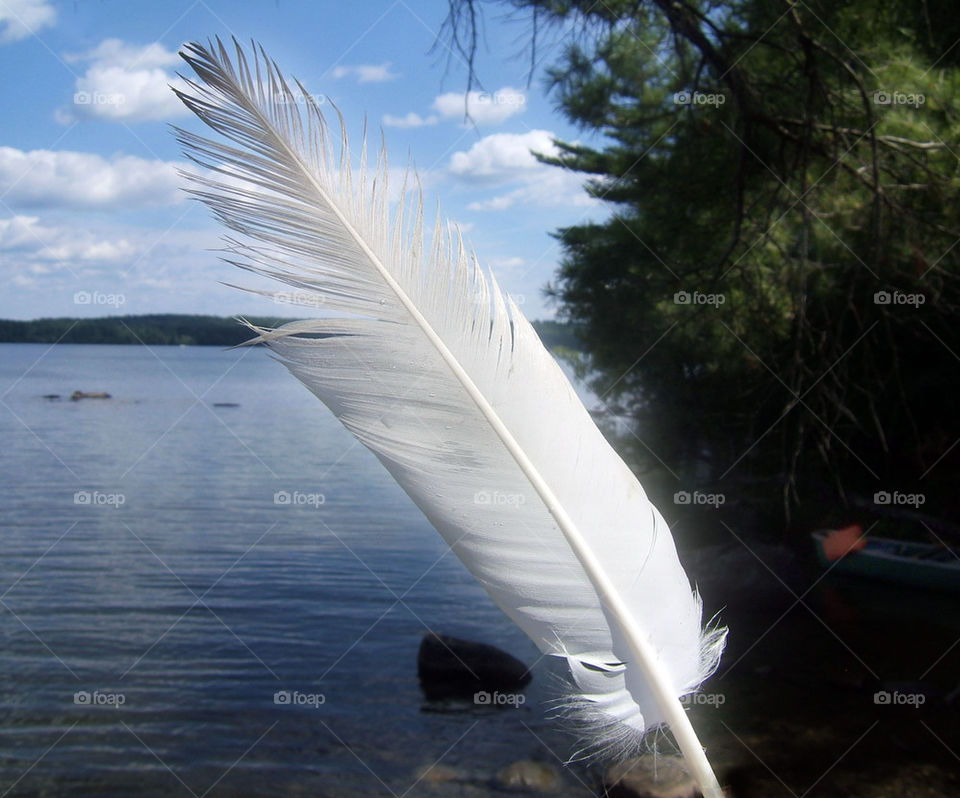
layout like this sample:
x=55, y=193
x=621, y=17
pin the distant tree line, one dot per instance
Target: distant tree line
x=169, y=329
x=156, y=330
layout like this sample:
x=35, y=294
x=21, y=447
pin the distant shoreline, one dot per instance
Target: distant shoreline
x=175, y=329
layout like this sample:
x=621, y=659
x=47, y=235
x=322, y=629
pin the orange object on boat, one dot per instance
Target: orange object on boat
x=841, y=542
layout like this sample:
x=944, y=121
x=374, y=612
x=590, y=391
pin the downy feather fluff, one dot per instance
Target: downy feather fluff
x=436, y=371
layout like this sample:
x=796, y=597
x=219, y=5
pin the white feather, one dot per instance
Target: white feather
x=441, y=376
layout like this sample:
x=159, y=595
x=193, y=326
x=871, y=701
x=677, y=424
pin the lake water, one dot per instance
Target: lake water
x=155, y=597
x=148, y=574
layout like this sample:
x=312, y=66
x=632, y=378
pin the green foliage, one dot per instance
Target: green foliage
x=819, y=170
x=814, y=176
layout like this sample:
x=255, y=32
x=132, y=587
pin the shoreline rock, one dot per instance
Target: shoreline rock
x=529, y=776
x=650, y=776
x=450, y=667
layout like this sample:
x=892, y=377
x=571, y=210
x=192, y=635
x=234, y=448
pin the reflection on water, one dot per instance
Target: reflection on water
x=157, y=594
x=180, y=586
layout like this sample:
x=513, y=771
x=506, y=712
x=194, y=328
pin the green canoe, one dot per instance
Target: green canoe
x=926, y=565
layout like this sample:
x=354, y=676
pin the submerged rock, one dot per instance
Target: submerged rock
x=439, y=774
x=650, y=776
x=450, y=667
x=529, y=776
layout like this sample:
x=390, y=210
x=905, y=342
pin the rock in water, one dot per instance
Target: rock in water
x=529, y=776
x=438, y=774
x=77, y=395
x=650, y=776
x=449, y=667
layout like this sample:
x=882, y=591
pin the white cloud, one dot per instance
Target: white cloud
x=57, y=267
x=505, y=159
x=504, y=263
x=366, y=73
x=48, y=178
x=500, y=203
x=35, y=247
x=22, y=18
x=18, y=231
x=125, y=82
x=410, y=120
x=40, y=245
x=114, y=52
x=554, y=188
x=483, y=107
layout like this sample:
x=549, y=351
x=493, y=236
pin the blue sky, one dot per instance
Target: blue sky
x=92, y=217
